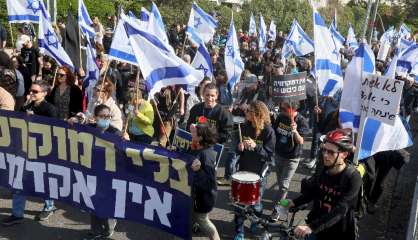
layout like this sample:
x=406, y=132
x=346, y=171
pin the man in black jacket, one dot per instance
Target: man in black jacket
x=37, y=106
x=334, y=192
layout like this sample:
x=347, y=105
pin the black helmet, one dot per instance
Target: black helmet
x=341, y=138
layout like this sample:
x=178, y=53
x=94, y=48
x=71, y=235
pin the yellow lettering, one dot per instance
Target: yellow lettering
x=5, y=131
x=135, y=155
x=181, y=184
x=162, y=175
x=87, y=140
x=59, y=133
x=110, y=158
x=46, y=148
x=21, y=124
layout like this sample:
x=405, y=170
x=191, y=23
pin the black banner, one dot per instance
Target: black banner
x=289, y=87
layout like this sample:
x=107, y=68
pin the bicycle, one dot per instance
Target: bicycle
x=274, y=230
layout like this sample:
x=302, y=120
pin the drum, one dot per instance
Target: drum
x=245, y=188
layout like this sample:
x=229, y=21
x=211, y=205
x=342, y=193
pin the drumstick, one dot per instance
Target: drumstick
x=239, y=132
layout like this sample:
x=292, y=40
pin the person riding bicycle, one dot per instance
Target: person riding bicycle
x=334, y=192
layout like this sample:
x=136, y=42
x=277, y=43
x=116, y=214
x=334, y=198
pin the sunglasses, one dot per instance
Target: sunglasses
x=61, y=75
x=328, y=151
x=34, y=91
x=104, y=117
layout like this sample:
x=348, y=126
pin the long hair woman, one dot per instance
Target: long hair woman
x=256, y=151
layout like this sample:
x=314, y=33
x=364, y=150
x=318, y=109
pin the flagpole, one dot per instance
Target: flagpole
x=79, y=43
x=376, y=6
x=369, y=8
x=11, y=36
x=105, y=75
x=161, y=122
x=184, y=45
x=55, y=77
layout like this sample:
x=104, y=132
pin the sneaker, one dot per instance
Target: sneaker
x=44, y=215
x=239, y=236
x=11, y=220
x=223, y=182
x=274, y=217
x=311, y=164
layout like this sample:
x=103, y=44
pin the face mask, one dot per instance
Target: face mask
x=103, y=123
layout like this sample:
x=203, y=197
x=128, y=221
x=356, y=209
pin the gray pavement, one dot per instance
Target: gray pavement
x=69, y=223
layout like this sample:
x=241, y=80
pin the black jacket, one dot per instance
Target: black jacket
x=45, y=109
x=334, y=200
x=217, y=117
x=76, y=99
x=204, y=182
x=253, y=161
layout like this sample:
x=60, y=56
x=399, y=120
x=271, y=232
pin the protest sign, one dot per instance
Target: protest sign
x=97, y=172
x=183, y=141
x=381, y=97
x=289, y=87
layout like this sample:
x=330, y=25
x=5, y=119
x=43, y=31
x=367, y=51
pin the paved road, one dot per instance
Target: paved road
x=70, y=223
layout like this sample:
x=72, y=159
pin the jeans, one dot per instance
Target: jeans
x=230, y=155
x=285, y=170
x=239, y=217
x=140, y=138
x=206, y=226
x=19, y=202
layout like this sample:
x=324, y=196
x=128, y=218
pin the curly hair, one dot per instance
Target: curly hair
x=261, y=116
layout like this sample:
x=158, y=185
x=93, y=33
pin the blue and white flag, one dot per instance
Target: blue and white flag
x=156, y=26
x=385, y=43
x=201, y=26
x=203, y=62
x=407, y=61
x=252, y=29
x=379, y=137
x=50, y=45
x=272, y=31
x=262, y=36
x=404, y=44
x=92, y=71
x=404, y=31
x=121, y=48
x=20, y=11
x=84, y=20
x=363, y=62
x=144, y=17
x=327, y=64
x=234, y=65
x=351, y=38
x=297, y=42
x=338, y=39
x=159, y=65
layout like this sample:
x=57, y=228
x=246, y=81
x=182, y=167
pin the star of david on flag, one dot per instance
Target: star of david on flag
x=201, y=26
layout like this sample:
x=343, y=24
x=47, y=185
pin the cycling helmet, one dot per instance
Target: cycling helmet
x=341, y=138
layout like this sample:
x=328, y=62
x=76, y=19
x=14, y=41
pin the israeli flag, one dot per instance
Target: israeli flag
x=234, y=65
x=252, y=30
x=20, y=11
x=159, y=65
x=297, y=42
x=144, y=17
x=262, y=37
x=327, y=64
x=92, y=70
x=379, y=137
x=132, y=15
x=404, y=44
x=203, y=62
x=351, y=38
x=201, y=26
x=84, y=20
x=272, y=31
x=121, y=48
x=338, y=39
x=49, y=44
x=404, y=31
x=385, y=43
x=156, y=26
x=363, y=62
x=407, y=61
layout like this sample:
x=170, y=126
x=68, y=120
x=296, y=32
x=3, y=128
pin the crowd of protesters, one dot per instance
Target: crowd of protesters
x=273, y=133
